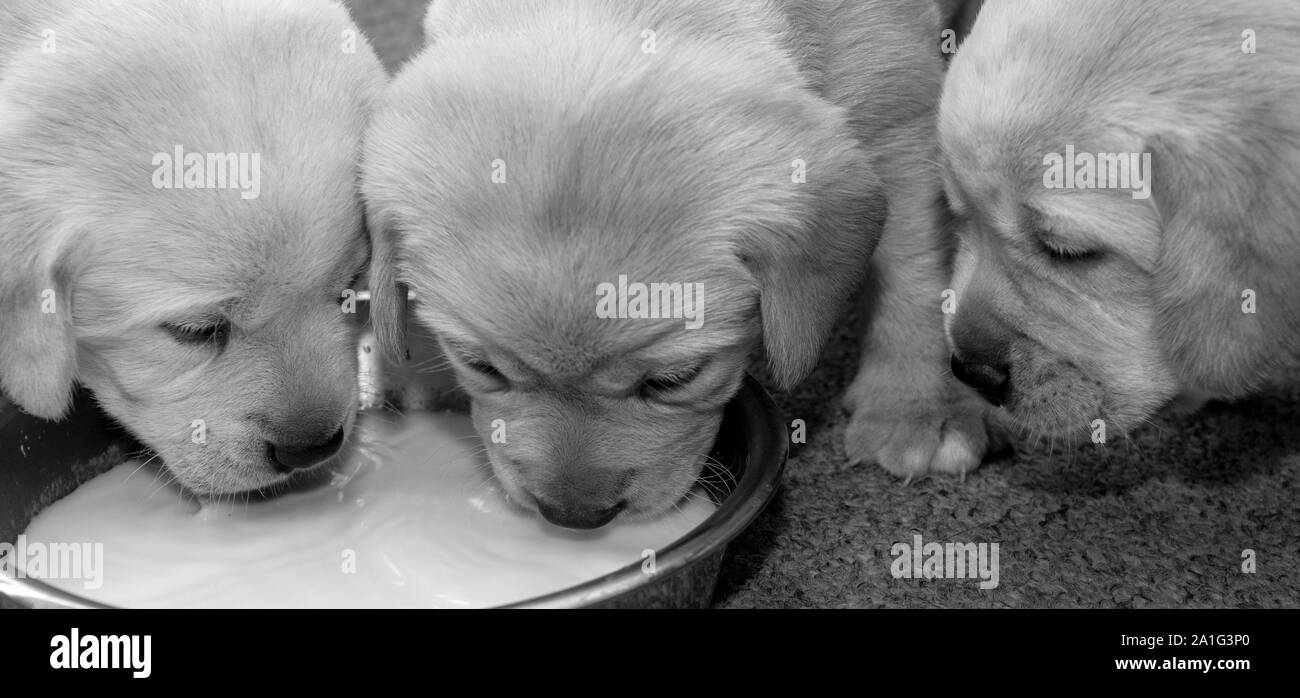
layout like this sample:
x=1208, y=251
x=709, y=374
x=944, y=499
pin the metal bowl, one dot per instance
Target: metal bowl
x=41, y=462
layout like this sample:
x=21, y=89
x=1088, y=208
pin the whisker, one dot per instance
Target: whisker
x=139, y=468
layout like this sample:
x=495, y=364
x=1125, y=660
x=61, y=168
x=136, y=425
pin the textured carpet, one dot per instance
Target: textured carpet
x=1160, y=520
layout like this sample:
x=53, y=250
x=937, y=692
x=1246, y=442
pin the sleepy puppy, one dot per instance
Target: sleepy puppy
x=604, y=208
x=1127, y=175
x=196, y=294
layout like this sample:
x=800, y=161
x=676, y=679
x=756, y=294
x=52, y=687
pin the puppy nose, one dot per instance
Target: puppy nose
x=576, y=517
x=289, y=456
x=989, y=381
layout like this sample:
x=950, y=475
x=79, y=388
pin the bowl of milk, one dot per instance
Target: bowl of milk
x=408, y=517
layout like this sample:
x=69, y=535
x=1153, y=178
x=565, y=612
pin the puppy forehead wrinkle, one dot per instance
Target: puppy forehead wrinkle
x=554, y=303
x=586, y=345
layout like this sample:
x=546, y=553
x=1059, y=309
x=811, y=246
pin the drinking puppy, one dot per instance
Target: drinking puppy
x=605, y=207
x=178, y=220
x=1128, y=179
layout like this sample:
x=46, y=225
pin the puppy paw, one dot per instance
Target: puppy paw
x=944, y=432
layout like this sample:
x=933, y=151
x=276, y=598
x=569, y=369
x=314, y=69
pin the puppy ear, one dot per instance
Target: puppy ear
x=806, y=279
x=1228, y=251
x=38, y=349
x=388, y=298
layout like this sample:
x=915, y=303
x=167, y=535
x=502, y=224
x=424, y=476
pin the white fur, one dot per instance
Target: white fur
x=1160, y=314
x=81, y=218
x=666, y=165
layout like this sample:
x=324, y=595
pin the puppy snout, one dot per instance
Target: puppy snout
x=990, y=380
x=981, y=350
x=299, y=454
x=578, y=497
x=578, y=516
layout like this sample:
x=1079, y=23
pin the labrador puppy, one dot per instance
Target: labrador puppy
x=604, y=208
x=1127, y=181
x=179, y=218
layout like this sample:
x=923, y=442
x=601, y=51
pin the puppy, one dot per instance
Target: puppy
x=197, y=295
x=604, y=208
x=1171, y=270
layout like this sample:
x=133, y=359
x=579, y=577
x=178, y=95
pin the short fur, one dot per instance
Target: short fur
x=667, y=166
x=1157, y=311
x=83, y=227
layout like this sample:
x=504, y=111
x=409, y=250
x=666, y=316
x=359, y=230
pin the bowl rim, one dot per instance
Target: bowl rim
x=766, y=447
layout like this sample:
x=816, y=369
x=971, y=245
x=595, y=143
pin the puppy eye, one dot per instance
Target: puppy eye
x=484, y=368
x=668, y=382
x=215, y=335
x=1061, y=253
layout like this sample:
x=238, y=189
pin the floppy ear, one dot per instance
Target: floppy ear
x=805, y=279
x=38, y=349
x=1227, y=209
x=388, y=298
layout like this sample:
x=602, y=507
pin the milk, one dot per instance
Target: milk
x=412, y=518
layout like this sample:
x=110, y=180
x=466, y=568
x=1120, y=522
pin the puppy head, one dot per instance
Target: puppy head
x=205, y=319
x=1085, y=303
x=529, y=208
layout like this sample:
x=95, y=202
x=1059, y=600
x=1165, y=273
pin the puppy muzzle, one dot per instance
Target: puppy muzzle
x=981, y=350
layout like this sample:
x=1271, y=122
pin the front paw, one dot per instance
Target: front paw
x=910, y=435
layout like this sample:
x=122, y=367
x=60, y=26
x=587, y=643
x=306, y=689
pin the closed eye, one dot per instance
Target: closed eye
x=669, y=381
x=1066, y=254
x=214, y=334
x=472, y=360
x=484, y=368
x=1051, y=244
